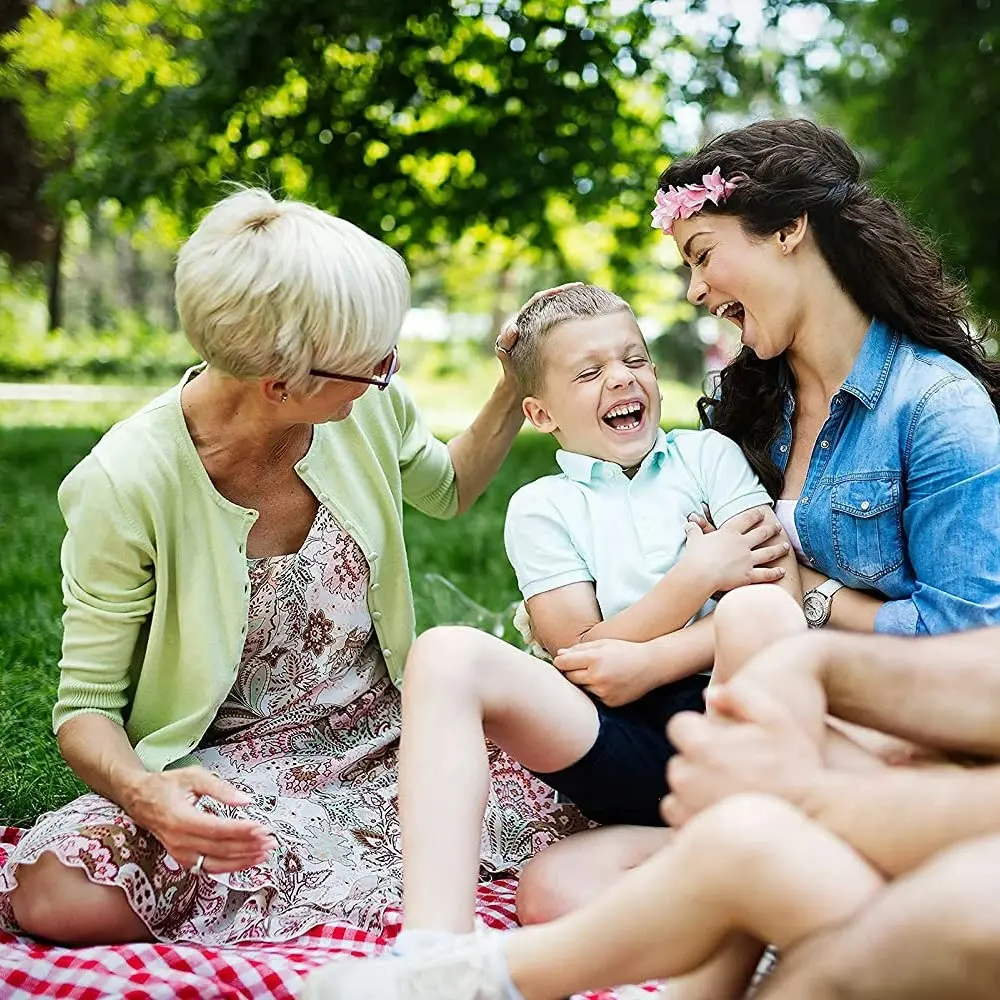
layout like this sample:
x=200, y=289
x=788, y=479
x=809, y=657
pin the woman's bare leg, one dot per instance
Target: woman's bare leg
x=574, y=871
x=59, y=903
x=725, y=974
x=462, y=686
x=750, y=864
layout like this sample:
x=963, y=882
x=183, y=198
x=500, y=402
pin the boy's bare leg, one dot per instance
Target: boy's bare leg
x=930, y=935
x=747, y=621
x=461, y=686
x=750, y=864
x=572, y=872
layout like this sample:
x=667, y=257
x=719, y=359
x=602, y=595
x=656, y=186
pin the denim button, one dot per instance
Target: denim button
x=824, y=444
x=783, y=449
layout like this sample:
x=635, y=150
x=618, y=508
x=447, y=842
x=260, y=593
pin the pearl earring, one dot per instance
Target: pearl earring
x=284, y=397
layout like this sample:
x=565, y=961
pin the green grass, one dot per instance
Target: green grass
x=460, y=574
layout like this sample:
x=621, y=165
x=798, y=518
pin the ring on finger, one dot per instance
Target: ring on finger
x=197, y=867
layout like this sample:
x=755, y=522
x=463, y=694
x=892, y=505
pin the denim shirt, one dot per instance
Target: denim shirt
x=902, y=495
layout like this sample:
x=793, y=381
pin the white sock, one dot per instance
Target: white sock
x=410, y=942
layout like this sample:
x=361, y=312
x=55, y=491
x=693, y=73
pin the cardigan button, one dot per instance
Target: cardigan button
x=376, y=616
x=387, y=653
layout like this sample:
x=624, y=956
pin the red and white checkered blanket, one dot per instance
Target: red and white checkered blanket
x=187, y=972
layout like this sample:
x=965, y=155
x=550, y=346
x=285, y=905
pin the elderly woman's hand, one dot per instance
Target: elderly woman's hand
x=166, y=805
x=508, y=335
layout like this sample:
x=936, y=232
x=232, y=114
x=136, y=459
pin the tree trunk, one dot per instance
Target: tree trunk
x=54, y=283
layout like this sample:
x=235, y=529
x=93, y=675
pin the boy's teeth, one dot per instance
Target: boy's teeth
x=623, y=410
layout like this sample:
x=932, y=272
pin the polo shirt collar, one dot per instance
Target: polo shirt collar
x=583, y=468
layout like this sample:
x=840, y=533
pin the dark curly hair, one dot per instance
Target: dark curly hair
x=786, y=169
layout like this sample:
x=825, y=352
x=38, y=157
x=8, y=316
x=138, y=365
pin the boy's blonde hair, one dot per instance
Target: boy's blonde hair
x=270, y=289
x=539, y=318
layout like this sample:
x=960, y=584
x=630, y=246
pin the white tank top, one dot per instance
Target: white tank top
x=785, y=511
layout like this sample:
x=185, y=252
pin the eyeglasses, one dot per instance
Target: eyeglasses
x=384, y=371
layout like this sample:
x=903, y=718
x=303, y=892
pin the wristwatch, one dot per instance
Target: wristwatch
x=816, y=603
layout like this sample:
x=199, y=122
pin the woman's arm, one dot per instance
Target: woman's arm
x=950, y=522
x=165, y=804
x=109, y=591
x=850, y=610
x=478, y=452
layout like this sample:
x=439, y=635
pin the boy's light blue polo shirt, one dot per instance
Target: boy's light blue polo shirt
x=591, y=523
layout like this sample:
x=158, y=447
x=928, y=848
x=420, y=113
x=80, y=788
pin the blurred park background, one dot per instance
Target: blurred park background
x=499, y=145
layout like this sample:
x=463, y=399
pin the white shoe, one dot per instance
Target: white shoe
x=470, y=968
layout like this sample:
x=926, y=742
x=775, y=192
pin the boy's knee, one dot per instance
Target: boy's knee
x=741, y=828
x=444, y=654
x=748, y=608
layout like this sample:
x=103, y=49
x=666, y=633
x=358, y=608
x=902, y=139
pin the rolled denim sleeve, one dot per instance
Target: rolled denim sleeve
x=951, y=514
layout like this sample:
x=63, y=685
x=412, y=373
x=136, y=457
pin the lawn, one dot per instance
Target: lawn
x=460, y=573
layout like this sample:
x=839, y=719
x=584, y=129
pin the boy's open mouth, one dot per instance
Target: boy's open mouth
x=626, y=416
x=733, y=311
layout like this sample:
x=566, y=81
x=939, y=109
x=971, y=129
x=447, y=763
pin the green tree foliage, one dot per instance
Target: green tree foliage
x=917, y=87
x=416, y=118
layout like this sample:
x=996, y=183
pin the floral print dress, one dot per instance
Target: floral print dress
x=311, y=730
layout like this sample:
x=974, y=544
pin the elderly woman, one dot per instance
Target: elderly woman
x=238, y=608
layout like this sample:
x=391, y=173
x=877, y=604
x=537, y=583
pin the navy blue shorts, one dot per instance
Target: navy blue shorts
x=623, y=776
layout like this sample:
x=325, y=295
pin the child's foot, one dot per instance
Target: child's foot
x=472, y=967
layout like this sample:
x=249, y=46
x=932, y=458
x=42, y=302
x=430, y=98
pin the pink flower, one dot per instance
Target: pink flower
x=681, y=203
x=716, y=188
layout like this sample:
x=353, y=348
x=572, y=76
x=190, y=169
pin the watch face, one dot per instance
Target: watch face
x=814, y=608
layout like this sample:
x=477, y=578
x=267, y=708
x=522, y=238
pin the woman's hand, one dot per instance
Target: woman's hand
x=616, y=671
x=166, y=805
x=738, y=553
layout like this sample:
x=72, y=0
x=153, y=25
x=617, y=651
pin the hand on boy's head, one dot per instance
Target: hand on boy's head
x=508, y=337
x=754, y=746
x=504, y=345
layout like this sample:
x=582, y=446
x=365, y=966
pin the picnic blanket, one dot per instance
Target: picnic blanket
x=186, y=972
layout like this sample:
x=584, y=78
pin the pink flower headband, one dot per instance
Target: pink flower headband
x=681, y=203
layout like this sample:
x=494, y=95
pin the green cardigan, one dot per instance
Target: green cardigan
x=154, y=566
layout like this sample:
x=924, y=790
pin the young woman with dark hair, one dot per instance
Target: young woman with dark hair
x=862, y=395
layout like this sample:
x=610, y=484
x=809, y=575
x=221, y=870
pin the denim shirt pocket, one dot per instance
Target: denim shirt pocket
x=867, y=525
